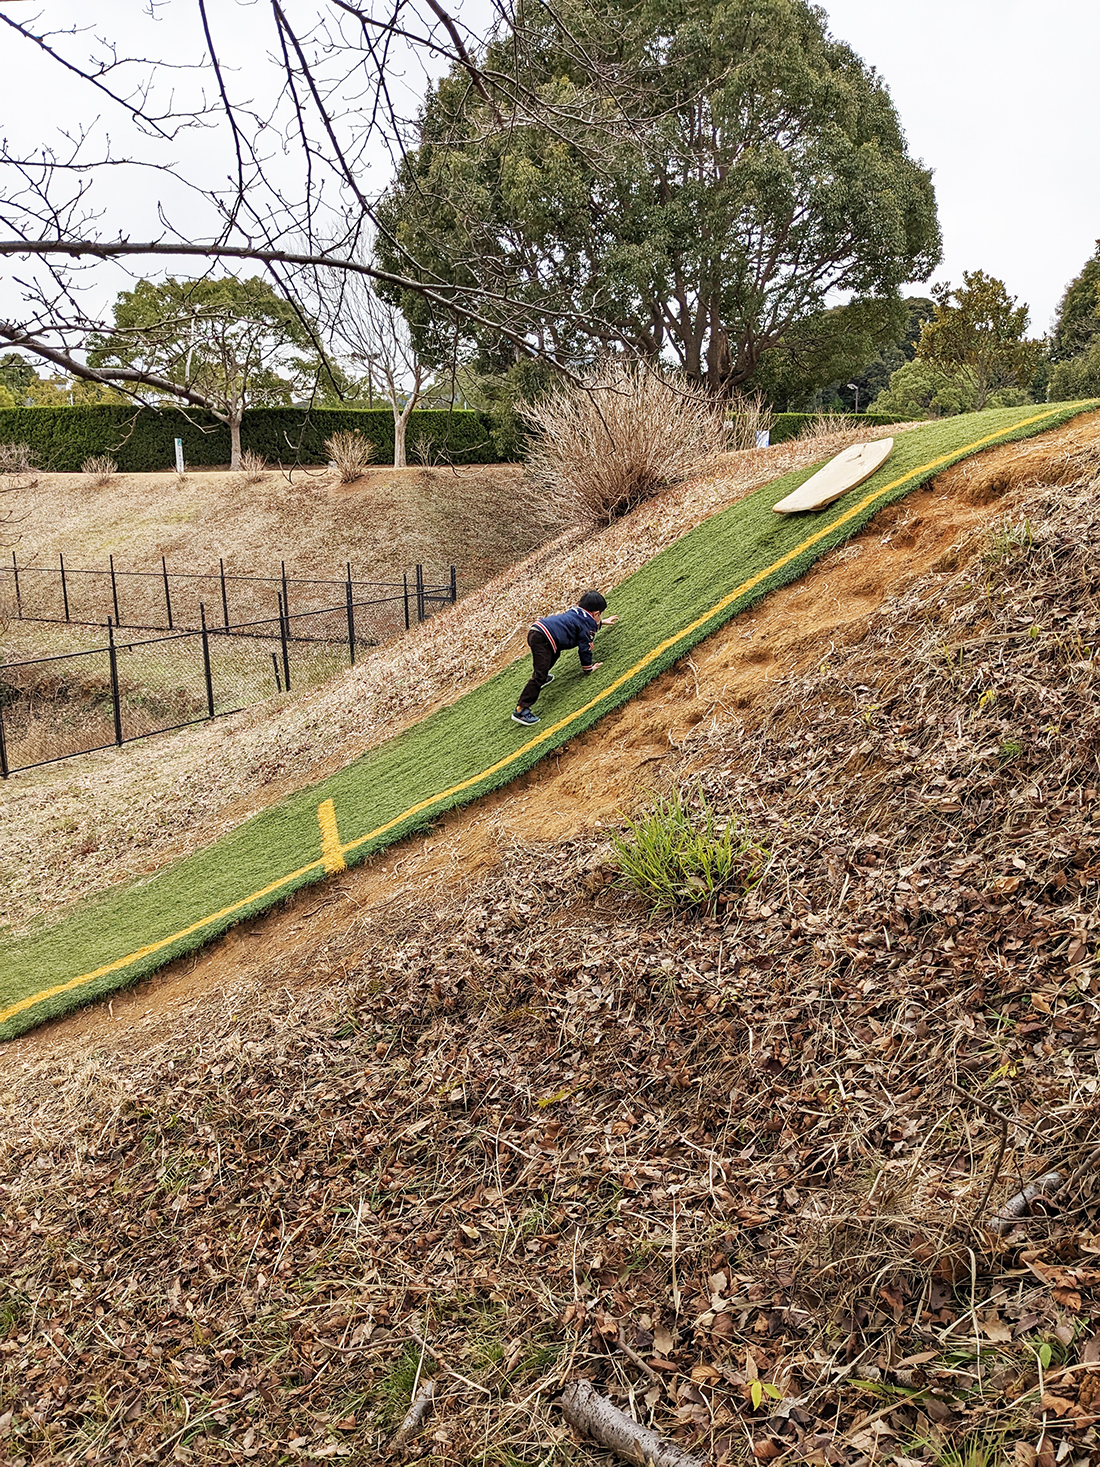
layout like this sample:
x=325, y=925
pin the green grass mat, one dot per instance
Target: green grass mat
x=689, y=590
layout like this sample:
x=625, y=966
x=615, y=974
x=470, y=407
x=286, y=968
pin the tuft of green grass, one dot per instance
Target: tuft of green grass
x=1008, y=541
x=680, y=855
x=393, y=1390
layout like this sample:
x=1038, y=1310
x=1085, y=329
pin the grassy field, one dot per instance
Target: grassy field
x=704, y=579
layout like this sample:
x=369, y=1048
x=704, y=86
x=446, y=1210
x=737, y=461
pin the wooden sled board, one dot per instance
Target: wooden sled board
x=838, y=476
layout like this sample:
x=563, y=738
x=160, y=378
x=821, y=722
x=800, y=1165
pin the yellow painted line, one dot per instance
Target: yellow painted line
x=331, y=850
x=466, y=784
x=153, y=947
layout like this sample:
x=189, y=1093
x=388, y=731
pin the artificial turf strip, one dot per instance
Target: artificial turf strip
x=686, y=592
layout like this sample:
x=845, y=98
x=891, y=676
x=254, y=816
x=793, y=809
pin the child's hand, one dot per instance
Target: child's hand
x=608, y=621
x=593, y=667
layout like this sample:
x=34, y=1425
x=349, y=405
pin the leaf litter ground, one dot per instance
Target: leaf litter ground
x=548, y=1138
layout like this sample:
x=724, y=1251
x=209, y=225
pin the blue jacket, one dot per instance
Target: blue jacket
x=573, y=628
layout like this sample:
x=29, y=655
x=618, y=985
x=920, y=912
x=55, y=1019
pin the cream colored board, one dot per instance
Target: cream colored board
x=837, y=476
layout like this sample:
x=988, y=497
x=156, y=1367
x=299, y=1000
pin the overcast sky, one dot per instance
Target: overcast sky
x=997, y=97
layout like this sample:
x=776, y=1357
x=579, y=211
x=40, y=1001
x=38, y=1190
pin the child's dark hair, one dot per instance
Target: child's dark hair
x=592, y=601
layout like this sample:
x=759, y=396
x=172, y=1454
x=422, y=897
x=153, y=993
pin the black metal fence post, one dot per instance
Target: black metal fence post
x=405, y=583
x=64, y=587
x=454, y=586
x=283, y=638
x=286, y=598
x=3, y=747
x=18, y=593
x=275, y=666
x=225, y=599
x=351, y=617
x=419, y=593
x=114, y=590
x=116, y=703
x=167, y=596
x=206, y=662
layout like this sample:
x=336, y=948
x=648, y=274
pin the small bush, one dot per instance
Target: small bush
x=427, y=449
x=748, y=416
x=350, y=453
x=100, y=469
x=620, y=437
x=679, y=855
x=17, y=458
x=824, y=425
x=251, y=471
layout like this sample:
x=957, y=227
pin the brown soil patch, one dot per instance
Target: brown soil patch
x=603, y=772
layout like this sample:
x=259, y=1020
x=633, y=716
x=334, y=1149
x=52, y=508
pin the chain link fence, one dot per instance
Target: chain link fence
x=53, y=708
x=169, y=600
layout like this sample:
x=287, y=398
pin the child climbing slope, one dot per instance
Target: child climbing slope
x=549, y=637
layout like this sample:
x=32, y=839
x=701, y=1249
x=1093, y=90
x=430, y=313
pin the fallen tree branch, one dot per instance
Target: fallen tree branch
x=414, y=1416
x=594, y=1416
x=637, y=1359
x=1016, y=1207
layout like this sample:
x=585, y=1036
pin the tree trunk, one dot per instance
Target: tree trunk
x=400, y=419
x=595, y=1417
x=235, y=441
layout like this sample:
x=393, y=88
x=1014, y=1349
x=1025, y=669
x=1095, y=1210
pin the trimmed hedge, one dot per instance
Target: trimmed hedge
x=786, y=426
x=141, y=440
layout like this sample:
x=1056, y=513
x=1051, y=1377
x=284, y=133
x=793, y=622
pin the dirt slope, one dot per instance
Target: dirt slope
x=475, y=518
x=68, y=831
x=732, y=676
x=473, y=1112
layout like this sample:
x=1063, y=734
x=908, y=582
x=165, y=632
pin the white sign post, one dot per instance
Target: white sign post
x=179, y=456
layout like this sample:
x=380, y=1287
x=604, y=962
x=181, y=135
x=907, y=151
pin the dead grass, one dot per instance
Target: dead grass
x=351, y=453
x=748, y=416
x=467, y=517
x=99, y=469
x=17, y=459
x=252, y=471
x=620, y=437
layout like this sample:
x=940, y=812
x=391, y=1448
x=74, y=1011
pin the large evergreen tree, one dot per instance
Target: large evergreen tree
x=977, y=332
x=1078, y=319
x=700, y=181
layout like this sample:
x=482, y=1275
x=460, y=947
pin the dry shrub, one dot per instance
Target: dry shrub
x=824, y=425
x=251, y=471
x=619, y=438
x=100, y=469
x=350, y=453
x=748, y=417
x=16, y=458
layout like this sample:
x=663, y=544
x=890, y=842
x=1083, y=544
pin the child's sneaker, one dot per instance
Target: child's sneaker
x=525, y=716
x=549, y=678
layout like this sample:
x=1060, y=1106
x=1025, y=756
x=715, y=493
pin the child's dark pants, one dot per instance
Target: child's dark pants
x=544, y=655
